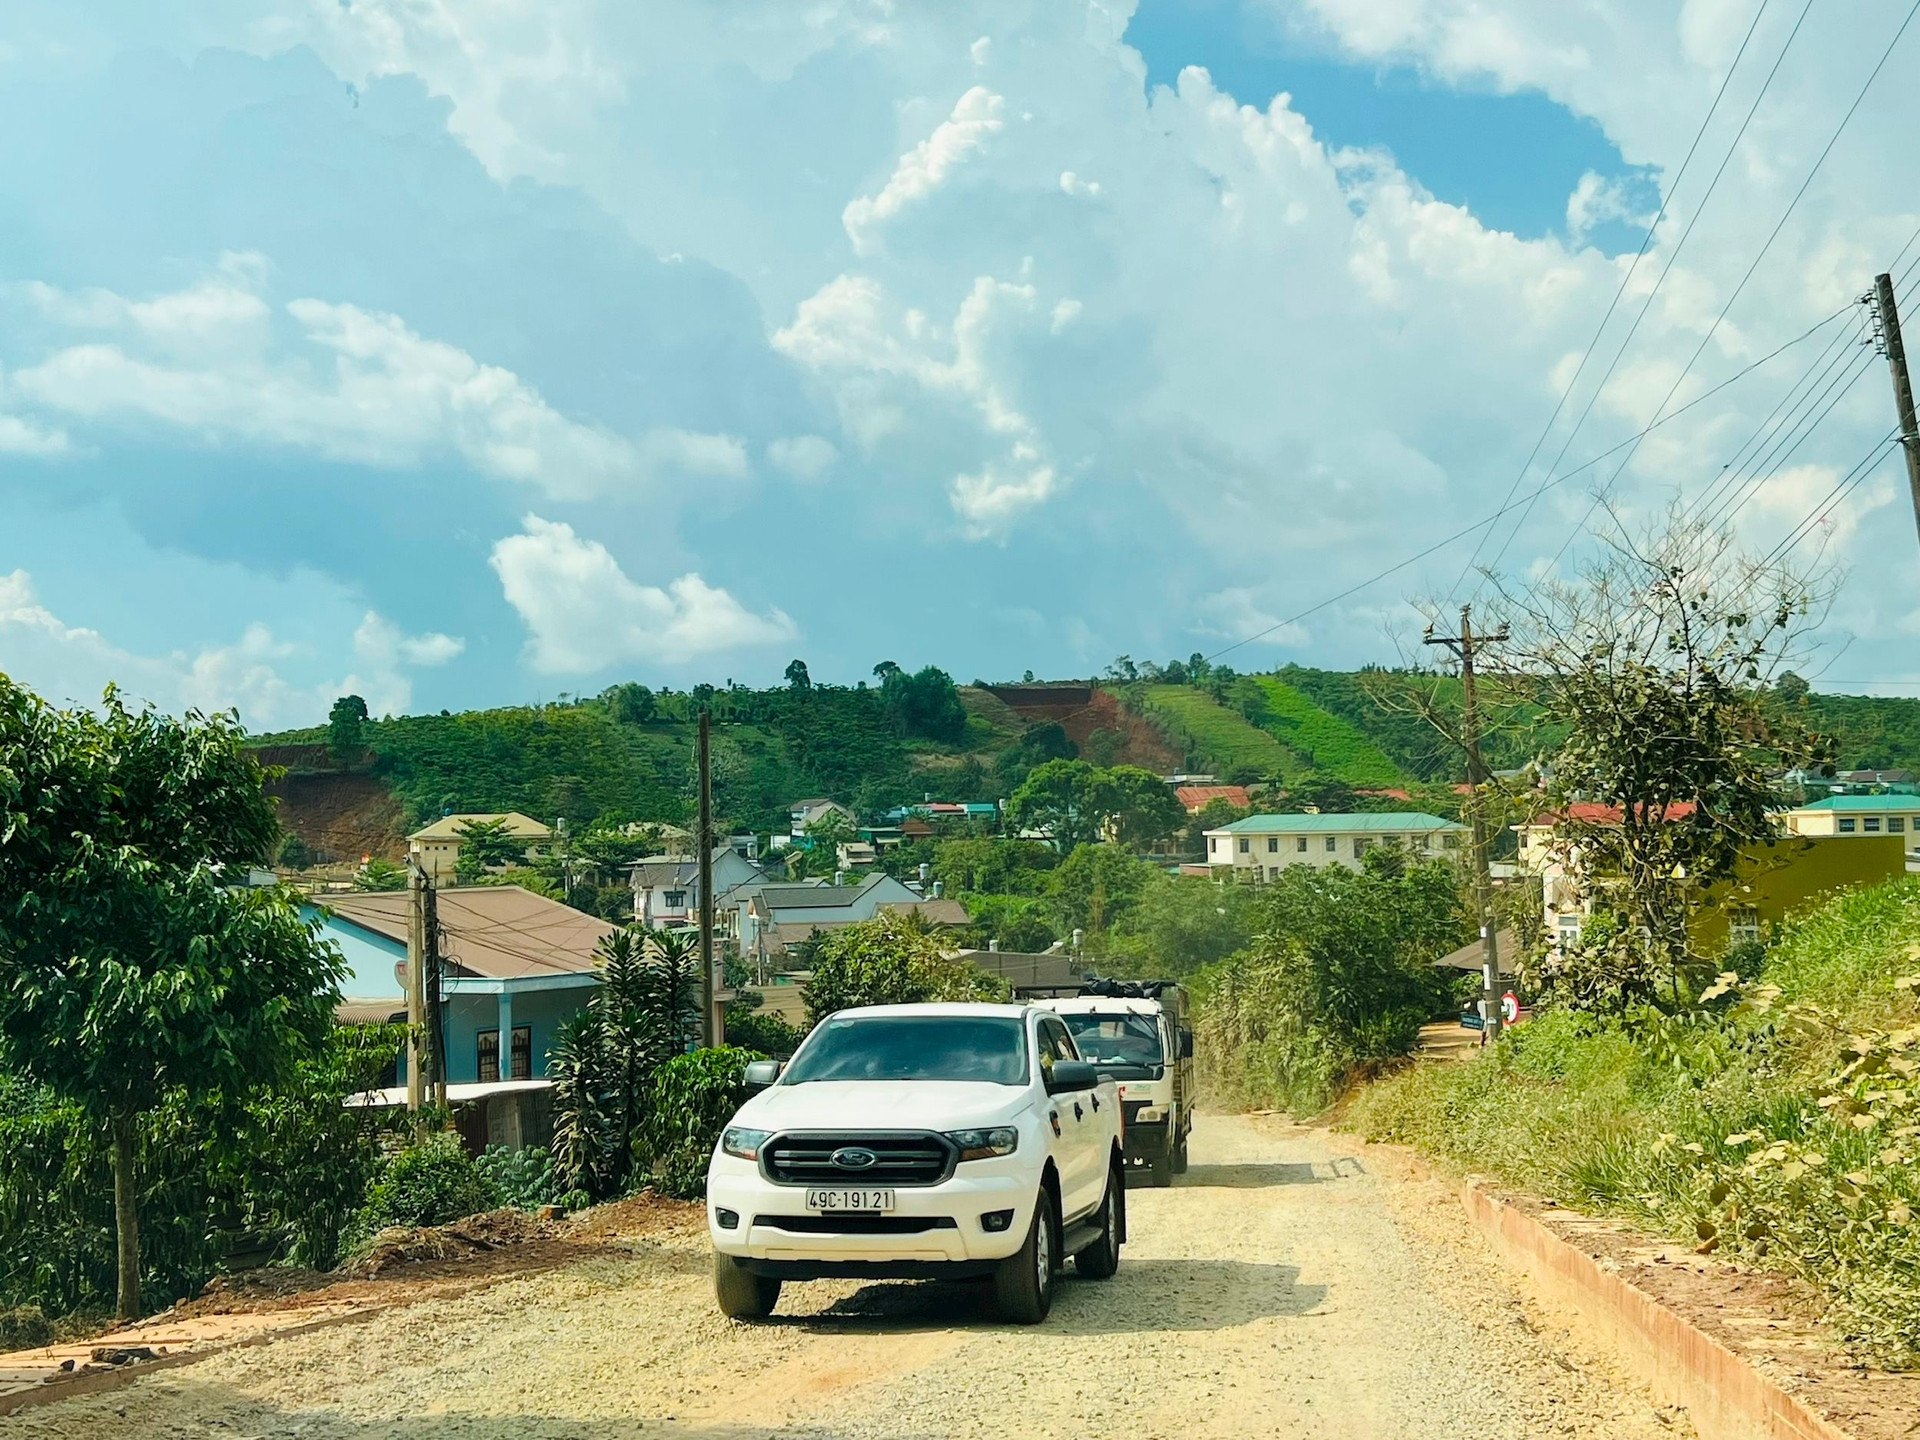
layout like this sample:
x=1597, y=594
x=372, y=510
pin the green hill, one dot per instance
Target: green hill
x=1213, y=736
x=1331, y=744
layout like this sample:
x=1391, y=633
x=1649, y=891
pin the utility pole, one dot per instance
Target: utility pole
x=436, y=1014
x=1888, y=315
x=417, y=1040
x=1463, y=646
x=709, y=1022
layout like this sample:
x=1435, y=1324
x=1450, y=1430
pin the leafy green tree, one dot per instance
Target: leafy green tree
x=797, y=677
x=630, y=703
x=129, y=967
x=1060, y=799
x=889, y=960
x=294, y=853
x=1182, y=923
x=991, y=865
x=377, y=874
x=1095, y=886
x=925, y=703
x=1321, y=794
x=346, y=728
x=485, y=845
x=1037, y=745
x=1141, y=807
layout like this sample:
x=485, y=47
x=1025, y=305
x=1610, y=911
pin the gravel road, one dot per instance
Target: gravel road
x=1286, y=1287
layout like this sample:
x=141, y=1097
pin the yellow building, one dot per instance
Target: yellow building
x=437, y=846
x=1775, y=879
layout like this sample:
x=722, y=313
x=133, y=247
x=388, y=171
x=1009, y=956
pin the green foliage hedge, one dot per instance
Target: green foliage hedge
x=692, y=1098
x=431, y=1183
x=1728, y=1125
x=1212, y=734
x=1332, y=744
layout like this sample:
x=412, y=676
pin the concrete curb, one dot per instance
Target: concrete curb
x=1726, y=1398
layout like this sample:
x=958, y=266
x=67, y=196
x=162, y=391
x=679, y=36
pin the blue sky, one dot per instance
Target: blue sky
x=465, y=357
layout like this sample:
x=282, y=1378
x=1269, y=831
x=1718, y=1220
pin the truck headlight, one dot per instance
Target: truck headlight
x=985, y=1144
x=738, y=1140
x=1150, y=1114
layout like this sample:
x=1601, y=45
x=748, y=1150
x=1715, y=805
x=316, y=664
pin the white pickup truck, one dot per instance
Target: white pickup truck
x=921, y=1141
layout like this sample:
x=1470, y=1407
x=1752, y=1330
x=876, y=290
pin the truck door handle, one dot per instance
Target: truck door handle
x=1096, y=1104
x=1078, y=1113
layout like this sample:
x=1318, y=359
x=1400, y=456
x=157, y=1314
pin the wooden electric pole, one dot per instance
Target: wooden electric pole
x=1463, y=646
x=433, y=994
x=1888, y=313
x=709, y=1024
x=418, y=1044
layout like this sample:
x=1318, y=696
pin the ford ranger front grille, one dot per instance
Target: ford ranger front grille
x=808, y=1157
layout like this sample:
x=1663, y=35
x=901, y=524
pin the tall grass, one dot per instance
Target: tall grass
x=1335, y=746
x=1670, y=1122
x=1219, y=737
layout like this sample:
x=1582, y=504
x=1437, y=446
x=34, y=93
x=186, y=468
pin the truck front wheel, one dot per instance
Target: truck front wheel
x=743, y=1295
x=1100, y=1259
x=1023, y=1282
x=1160, y=1168
x=1180, y=1157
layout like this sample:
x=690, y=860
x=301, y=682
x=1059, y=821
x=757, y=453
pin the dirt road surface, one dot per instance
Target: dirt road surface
x=1285, y=1288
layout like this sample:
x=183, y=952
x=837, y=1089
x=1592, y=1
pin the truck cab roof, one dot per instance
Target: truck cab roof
x=934, y=1008
x=1105, y=1005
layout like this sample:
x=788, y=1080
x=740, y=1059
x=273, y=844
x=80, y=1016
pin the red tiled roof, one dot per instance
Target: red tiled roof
x=1196, y=797
x=1395, y=791
x=1593, y=812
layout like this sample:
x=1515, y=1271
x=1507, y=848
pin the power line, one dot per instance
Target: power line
x=1773, y=235
x=1547, y=484
x=1625, y=280
x=1672, y=258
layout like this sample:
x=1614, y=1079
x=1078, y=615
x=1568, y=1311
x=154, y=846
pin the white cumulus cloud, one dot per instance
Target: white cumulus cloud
x=357, y=385
x=74, y=664
x=584, y=613
x=976, y=117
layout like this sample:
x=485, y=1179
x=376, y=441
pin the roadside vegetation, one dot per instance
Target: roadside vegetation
x=1776, y=1122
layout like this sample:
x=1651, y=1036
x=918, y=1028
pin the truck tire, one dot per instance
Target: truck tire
x=742, y=1294
x=1023, y=1282
x=1180, y=1156
x=1100, y=1259
x=1160, y=1167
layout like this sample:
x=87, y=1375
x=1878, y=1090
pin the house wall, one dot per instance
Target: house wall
x=1794, y=874
x=468, y=1014
x=1267, y=854
x=370, y=960
x=1829, y=822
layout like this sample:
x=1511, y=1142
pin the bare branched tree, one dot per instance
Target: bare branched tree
x=1657, y=659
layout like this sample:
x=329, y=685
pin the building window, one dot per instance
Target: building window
x=1567, y=927
x=1360, y=844
x=1743, y=926
x=675, y=900
x=1896, y=824
x=1245, y=846
x=1426, y=841
x=1273, y=872
x=1846, y=827
x=1451, y=840
x=1333, y=843
x=1273, y=844
x=520, y=1060
x=1872, y=824
x=1301, y=843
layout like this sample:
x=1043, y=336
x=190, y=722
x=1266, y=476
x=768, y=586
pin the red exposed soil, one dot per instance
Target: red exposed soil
x=1083, y=709
x=340, y=814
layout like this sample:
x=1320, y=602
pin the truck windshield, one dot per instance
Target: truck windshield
x=1121, y=1038
x=988, y=1048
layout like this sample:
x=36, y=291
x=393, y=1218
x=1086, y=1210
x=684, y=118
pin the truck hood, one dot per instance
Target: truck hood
x=883, y=1105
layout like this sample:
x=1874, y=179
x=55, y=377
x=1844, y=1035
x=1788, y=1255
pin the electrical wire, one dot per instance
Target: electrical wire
x=1672, y=258
x=1712, y=330
x=1625, y=280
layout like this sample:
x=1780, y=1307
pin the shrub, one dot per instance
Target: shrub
x=1775, y=1124
x=431, y=1183
x=523, y=1178
x=693, y=1096
x=761, y=1031
x=23, y=1327
x=889, y=960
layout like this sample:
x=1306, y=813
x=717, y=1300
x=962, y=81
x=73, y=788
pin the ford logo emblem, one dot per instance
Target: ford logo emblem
x=852, y=1157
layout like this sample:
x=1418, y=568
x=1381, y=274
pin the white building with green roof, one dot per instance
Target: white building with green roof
x=1859, y=815
x=1259, y=847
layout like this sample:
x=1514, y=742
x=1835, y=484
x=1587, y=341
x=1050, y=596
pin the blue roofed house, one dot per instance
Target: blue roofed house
x=515, y=966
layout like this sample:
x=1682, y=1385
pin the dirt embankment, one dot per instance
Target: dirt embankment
x=1081, y=710
x=341, y=814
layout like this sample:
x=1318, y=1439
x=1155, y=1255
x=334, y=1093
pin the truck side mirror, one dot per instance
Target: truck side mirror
x=1071, y=1075
x=1186, y=1044
x=762, y=1073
